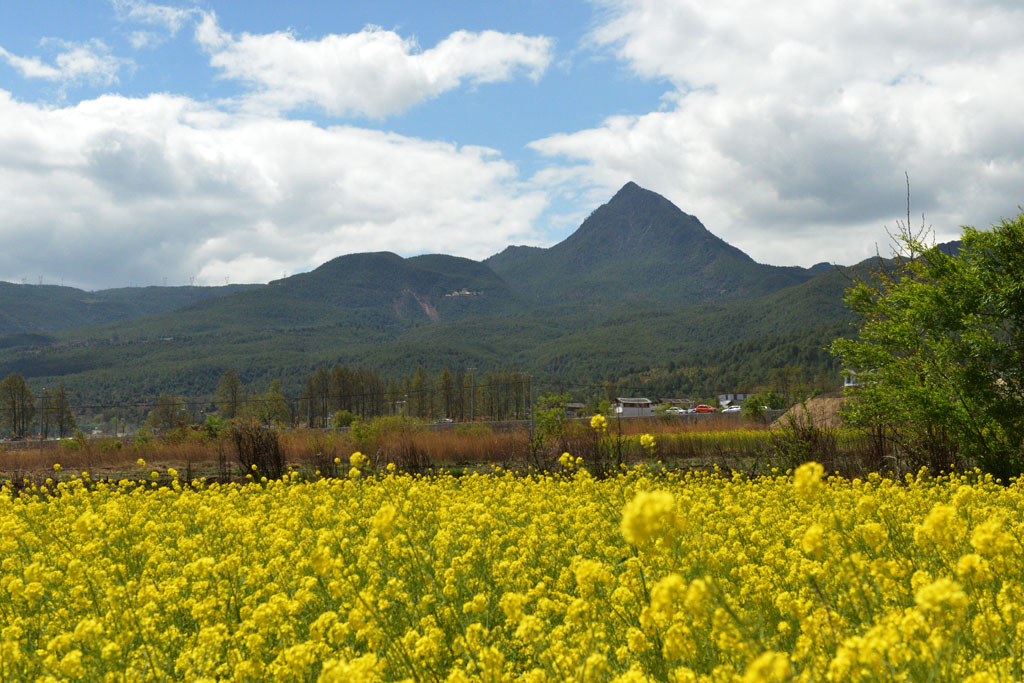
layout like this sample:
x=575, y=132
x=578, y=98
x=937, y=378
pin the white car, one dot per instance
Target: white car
x=731, y=409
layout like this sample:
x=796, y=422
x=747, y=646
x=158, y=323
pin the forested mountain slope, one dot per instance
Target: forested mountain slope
x=50, y=308
x=641, y=295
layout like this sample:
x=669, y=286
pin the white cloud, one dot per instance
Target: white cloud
x=141, y=39
x=79, y=62
x=31, y=67
x=117, y=190
x=373, y=72
x=171, y=19
x=791, y=124
x=164, y=21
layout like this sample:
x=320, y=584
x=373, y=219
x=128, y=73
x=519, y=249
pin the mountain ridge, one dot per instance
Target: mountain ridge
x=639, y=285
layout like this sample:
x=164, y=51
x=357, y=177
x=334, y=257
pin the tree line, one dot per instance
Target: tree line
x=23, y=413
x=334, y=396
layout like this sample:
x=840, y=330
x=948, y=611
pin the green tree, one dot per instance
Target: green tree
x=62, y=416
x=316, y=398
x=230, y=396
x=789, y=385
x=17, y=405
x=754, y=406
x=940, y=351
x=55, y=413
x=270, y=408
x=420, y=394
x=43, y=414
x=168, y=413
x=274, y=406
x=446, y=387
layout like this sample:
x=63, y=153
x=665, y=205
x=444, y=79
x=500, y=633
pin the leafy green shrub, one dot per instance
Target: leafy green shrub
x=214, y=427
x=368, y=435
x=342, y=419
x=71, y=445
x=109, y=445
x=142, y=437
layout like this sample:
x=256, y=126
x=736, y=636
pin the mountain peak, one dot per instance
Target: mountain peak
x=639, y=245
x=629, y=187
x=640, y=221
x=632, y=193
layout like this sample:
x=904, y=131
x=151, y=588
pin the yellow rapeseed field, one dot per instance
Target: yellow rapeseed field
x=642, y=576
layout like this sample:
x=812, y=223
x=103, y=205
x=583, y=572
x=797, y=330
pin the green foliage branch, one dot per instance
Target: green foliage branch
x=940, y=351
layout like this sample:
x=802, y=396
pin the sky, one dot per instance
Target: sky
x=211, y=142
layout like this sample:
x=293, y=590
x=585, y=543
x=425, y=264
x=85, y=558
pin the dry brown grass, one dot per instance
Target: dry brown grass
x=684, y=424
x=823, y=412
x=103, y=460
x=410, y=447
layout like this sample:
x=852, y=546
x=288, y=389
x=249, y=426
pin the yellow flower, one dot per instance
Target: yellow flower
x=496, y=576
x=598, y=423
x=940, y=527
x=769, y=666
x=384, y=521
x=807, y=479
x=943, y=595
x=813, y=540
x=664, y=596
x=649, y=517
x=973, y=567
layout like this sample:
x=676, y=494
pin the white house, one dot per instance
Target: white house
x=634, y=407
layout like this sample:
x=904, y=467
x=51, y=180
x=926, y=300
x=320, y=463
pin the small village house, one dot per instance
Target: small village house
x=634, y=407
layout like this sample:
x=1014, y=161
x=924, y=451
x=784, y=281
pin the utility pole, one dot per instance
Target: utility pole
x=472, y=394
x=523, y=392
x=43, y=419
x=530, y=380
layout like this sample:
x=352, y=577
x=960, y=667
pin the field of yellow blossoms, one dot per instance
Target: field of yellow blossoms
x=647, y=575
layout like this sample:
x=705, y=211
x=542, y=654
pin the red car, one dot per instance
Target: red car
x=704, y=409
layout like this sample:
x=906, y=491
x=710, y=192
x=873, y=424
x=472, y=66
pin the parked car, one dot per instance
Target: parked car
x=731, y=409
x=703, y=408
x=674, y=411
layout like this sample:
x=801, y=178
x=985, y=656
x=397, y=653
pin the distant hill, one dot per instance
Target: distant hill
x=371, y=290
x=641, y=295
x=49, y=308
